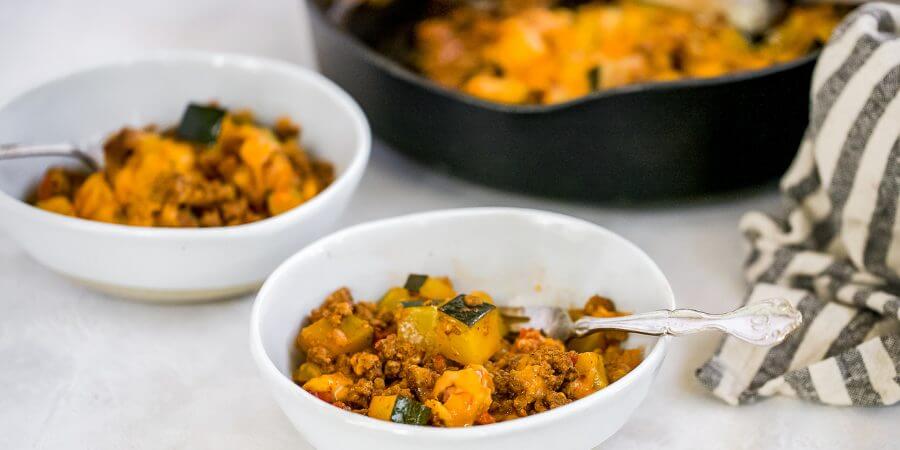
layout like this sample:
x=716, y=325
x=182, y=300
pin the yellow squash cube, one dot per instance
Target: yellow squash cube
x=307, y=371
x=382, y=406
x=331, y=388
x=469, y=345
x=438, y=288
x=353, y=334
x=417, y=324
x=393, y=298
x=591, y=375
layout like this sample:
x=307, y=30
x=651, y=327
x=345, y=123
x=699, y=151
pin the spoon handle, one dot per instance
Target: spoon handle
x=11, y=151
x=763, y=323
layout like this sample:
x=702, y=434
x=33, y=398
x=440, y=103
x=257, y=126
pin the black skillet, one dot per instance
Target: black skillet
x=641, y=142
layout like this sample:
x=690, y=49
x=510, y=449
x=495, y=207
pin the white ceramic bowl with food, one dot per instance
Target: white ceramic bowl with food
x=169, y=263
x=518, y=256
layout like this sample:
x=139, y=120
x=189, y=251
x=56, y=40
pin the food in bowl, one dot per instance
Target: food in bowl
x=216, y=168
x=425, y=354
x=539, y=52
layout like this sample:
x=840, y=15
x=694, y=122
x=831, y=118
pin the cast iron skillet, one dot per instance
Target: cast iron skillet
x=640, y=142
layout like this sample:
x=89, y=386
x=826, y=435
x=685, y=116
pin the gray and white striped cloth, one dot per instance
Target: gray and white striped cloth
x=835, y=254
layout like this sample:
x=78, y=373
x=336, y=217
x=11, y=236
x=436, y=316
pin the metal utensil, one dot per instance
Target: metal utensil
x=11, y=151
x=764, y=323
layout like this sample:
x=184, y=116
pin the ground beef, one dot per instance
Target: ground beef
x=334, y=308
x=531, y=373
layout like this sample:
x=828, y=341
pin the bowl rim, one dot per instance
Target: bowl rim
x=397, y=70
x=222, y=61
x=264, y=363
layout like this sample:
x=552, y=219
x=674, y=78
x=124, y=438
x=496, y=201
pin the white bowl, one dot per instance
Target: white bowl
x=175, y=264
x=519, y=257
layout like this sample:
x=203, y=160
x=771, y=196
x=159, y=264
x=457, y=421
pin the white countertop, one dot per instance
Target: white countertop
x=80, y=370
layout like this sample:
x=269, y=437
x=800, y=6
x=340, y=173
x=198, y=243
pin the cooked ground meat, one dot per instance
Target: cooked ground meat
x=151, y=178
x=421, y=344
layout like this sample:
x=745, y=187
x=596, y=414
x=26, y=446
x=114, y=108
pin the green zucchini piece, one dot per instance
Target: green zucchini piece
x=412, y=303
x=469, y=315
x=410, y=412
x=414, y=282
x=200, y=124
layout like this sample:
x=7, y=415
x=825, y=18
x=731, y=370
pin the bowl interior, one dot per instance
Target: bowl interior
x=88, y=106
x=517, y=256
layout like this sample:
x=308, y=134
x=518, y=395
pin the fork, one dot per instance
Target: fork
x=764, y=323
x=13, y=151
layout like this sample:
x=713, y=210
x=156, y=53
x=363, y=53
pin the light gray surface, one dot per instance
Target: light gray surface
x=82, y=370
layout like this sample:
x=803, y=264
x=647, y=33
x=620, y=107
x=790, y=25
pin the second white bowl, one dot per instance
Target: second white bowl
x=519, y=257
x=176, y=264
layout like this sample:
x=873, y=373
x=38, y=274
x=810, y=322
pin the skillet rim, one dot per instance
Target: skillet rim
x=399, y=71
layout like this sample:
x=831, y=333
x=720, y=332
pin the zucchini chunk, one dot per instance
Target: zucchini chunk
x=431, y=328
x=200, y=123
x=399, y=409
x=464, y=312
x=412, y=303
x=414, y=282
x=468, y=332
x=410, y=411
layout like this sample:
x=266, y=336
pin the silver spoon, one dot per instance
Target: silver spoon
x=764, y=323
x=12, y=151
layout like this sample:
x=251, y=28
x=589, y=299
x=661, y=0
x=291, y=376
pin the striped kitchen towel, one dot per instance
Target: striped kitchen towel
x=835, y=253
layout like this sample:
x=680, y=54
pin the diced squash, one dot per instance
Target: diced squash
x=504, y=327
x=393, y=299
x=466, y=344
x=58, y=204
x=462, y=396
x=95, y=200
x=467, y=309
x=200, y=123
x=589, y=343
x=283, y=200
x=426, y=327
x=353, y=334
x=417, y=325
x=331, y=388
x=307, y=371
x=437, y=288
x=414, y=281
x=501, y=90
x=410, y=411
x=591, y=375
x=399, y=410
x=382, y=406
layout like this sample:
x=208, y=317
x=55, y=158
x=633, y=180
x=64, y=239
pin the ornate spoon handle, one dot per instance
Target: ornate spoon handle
x=763, y=323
